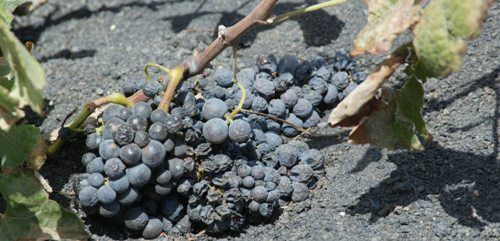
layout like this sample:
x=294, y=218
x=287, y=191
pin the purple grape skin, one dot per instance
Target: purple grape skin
x=114, y=168
x=290, y=98
x=129, y=197
x=312, y=121
x=158, y=115
x=141, y=138
x=88, y=196
x=125, y=113
x=244, y=170
x=158, y=131
x=135, y=219
x=273, y=140
x=276, y=107
x=340, y=80
x=300, y=192
x=285, y=187
x=153, y=228
x=95, y=179
x=142, y=109
x=314, y=97
x=138, y=122
x=283, y=82
x=288, y=64
x=223, y=76
x=259, y=194
x=239, y=131
x=259, y=104
x=215, y=131
x=314, y=158
x=172, y=208
x=106, y=194
x=303, y=108
x=130, y=154
x=109, y=149
x=93, y=141
x=264, y=85
x=138, y=175
x=169, y=145
x=301, y=173
x=331, y=95
x=109, y=210
x=348, y=89
x=112, y=111
x=257, y=172
x=88, y=157
x=289, y=130
x=319, y=85
x=176, y=168
x=267, y=63
x=213, y=108
x=153, y=154
x=287, y=155
x=120, y=184
x=152, y=88
x=254, y=206
x=248, y=182
x=163, y=177
x=95, y=166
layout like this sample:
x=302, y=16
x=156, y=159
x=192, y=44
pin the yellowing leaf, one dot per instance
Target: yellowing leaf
x=438, y=35
x=31, y=215
x=29, y=77
x=9, y=113
x=386, y=19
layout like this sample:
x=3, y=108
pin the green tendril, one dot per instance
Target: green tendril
x=146, y=69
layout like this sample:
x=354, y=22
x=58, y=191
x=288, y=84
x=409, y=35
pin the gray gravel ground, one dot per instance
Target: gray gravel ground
x=449, y=192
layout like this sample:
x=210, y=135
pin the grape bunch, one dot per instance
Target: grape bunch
x=193, y=168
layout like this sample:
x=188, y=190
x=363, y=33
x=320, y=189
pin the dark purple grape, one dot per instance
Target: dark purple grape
x=88, y=196
x=95, y=166
x=173, y=209
x=138, y=175
x=176, y=167
x=114, y=168
x=158, y=115
x=93, y=141
x=106, y=194
x=223, y=76
x=276, y=107
x=213, y=108
x=301, y=173
x=120, y=184
x=264, y=85
x=153, y=154
x=286, y=155
x=254, y=206
x=288, y=64
x=109, y=210
x=300, y=192
x=259, y=104
x=215, y=131
x=258, y=172
x=138, y=122
x=239, y=131
x=88, y=157
x=267, y=63
x=141, y=138
x=142, y=109
x=340, y=80
x=158, y=131
x=259, y=194
x=312, y=121
x=331, y=95
x=129, y=197
x=290, y=98
x=153, y=228
x=130, y=154
x=283, y=82
x=109, y=149
x=303, y=108
x=111, y=111
x=96, y=180
x=152, y=88
x=289, y=130
x=135, y=218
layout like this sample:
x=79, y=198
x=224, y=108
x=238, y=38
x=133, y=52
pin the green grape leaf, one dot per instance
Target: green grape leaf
x=386, y=19
x=397, y=122
x=29, y=77
x=6, y=9
x=9, y=113
x=31, y=215
x=16, y=145
x=438, y=36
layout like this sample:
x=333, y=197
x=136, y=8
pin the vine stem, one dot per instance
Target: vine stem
x=300, y=11
x=87, y=110
x=274, y=118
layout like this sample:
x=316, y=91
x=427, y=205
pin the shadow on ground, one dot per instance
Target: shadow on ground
x=318, y=28
x=466, y=184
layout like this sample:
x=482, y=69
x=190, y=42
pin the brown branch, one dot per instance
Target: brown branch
x=228, y=36
x=274, y=118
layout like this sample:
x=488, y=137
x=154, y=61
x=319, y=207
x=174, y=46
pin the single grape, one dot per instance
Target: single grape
x=158, y=115
x=259, y=194
x=314, y=158
x=163, y=190
x=95, y=166
x=248, y=182
x=258, y=172
x=130, y=154
x=267, y=63
x=114, y=168
x=215, y=131
x=286, y=155
x=303, y=108
x=301, y=173
x=213, y=108
x=120, y=184
x=318, y=84
x=123, y=135
x=95, y=179
x=264, y=85
x=142, y=109
x=312, y=121
x=289, y=130
x=138, y=122
x=93, y=141
x=111, y=111
x=266, y=210
x=153, y=154
x=340, y=80
x=288, y=64
x=163, y=176
x=109, y=210
x=88, y=157
x=283, y=82
x=88, y=196
x=285, y=187
x=138, y=175
x=169, y=145
x=125, y=113
x=152, y=88
x=180, y=147
x=153, y=228
x=331, y=95
x=174, y=123
x=254, y=206
x=276, y=107
x=290, y=98
x=244, y=170
x=273, y=126
x=314, y=97
x=239, y=131
x=273, y=139
x=106, y=194
x=176, y=167
x=129, y=197
x=223, y=76
x=135, y=218
x=109, y=149
x=300, y=192
x=348, y=90
x=141, y=138
x=128, y=88
x=172, y=208
x=158, y=131
x=303, y=71
x=259, y=104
